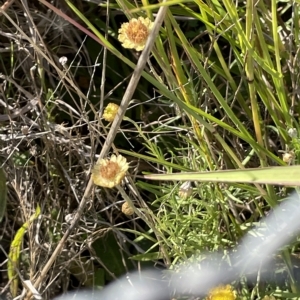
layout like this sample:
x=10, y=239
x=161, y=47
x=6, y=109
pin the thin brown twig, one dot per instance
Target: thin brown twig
x=6, y=5
x=109, y=140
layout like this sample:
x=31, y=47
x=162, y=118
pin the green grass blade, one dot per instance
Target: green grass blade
x=288, y=175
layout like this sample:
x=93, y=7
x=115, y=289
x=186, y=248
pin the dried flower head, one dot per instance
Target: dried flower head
x=288, y=157
x=292, y=132
x=109, y=173
x=110, y=112
x=25, y=130
x=134, y=34
x=222, y=292
x=185, y=190
x=127, y=209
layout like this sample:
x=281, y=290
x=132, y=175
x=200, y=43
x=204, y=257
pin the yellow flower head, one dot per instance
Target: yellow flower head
x=134, y=34
x=109, y=173
x=127, y=209
x=110, y=112
x=222, y=292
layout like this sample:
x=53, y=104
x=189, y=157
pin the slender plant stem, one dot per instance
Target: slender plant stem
x=109, y=140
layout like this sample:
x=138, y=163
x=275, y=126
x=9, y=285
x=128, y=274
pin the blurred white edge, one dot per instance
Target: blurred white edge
x=254, y=252
x=32, y=289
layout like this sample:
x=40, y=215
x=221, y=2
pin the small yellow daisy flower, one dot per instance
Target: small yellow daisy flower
x=110, y=112
x=109, y=173
x=222, y=292
x=134, y=34
x=127, y=209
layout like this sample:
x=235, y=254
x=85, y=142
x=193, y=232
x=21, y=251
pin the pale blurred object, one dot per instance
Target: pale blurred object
x=254, y=253
x=185, y=190
x=63, y=60
x=292, y=132
x=288, y=157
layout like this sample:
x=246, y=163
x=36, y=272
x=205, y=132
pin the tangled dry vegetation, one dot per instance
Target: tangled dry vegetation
x=50, y=137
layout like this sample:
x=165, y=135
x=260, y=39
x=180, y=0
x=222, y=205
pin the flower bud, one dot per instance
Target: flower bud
x=185, y=190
